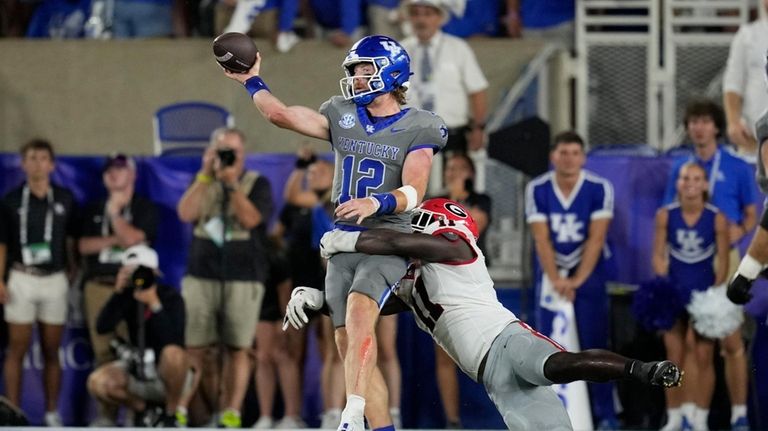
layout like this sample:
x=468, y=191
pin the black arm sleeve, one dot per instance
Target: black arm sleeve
x=113, y=311
x=417, y=245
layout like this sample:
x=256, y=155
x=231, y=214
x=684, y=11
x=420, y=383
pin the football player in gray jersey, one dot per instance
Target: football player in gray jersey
x=756, y=258
x=383, y=159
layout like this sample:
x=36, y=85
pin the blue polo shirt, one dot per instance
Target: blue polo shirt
x=346, y=15
x=734, y=186
x=481, y=18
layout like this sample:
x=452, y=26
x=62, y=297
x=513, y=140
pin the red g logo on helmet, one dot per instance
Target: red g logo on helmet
x=437, y=213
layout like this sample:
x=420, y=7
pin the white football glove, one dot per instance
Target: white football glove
x=337, y=241
x=302, y=297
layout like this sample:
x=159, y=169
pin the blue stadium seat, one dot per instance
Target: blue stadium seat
x=185, y=127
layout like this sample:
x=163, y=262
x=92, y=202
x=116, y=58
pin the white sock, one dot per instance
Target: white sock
x=689, y=411
x=675, y=417
x=737, y=411
x=355, y=405
x=749, y=267
x=700, y=419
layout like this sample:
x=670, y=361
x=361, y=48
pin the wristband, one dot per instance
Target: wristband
x=303, y=163
x=255, y=84
x=387, y=203
x=203, y=178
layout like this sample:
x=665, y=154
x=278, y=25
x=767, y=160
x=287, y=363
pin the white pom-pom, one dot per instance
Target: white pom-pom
x=713, y=314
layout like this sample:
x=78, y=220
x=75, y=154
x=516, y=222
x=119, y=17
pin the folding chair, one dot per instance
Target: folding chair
x=186, y=127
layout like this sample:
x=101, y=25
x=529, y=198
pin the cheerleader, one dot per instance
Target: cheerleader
x=690, y=234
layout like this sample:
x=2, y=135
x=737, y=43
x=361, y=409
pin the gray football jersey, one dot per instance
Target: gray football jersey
x=370, y=156
x=762, y=135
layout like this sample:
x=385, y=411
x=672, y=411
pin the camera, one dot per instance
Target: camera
x=141, y=368
x=142, y=278
x=226, y=156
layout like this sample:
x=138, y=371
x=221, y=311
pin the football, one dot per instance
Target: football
x=235, y=52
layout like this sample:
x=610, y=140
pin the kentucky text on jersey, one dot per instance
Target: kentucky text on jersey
x=368, y=148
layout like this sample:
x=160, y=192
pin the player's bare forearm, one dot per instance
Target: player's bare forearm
x=425, y=247
x=416, y=169
x=300, y=119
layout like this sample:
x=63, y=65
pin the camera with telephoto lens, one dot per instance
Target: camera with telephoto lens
x=142, y=278
x=126, y=353
x=226, y=156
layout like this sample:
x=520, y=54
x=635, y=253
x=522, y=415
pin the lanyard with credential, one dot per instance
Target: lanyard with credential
x=24, y=217
x=712, y=172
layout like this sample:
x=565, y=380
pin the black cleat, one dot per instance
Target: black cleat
x=664, y=374
x=738, y=289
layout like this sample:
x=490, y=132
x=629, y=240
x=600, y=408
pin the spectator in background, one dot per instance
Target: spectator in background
x=459, y=178
x=384, y=18
x=569, y=210
x=224, y=285
x=109, y=226
x=732, y=190
x=340, y=20
x=37, y=235
x=148, y=19
x=307, y=215
x=273, y=358
x=476, y=18
x=690, y=236
x=446, y=76
x=551, y=20
x=166, y=376
x=59, y=19
x=745, y=95
x=262, y=18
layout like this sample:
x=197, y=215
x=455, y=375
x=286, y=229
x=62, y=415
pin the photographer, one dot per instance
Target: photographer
x=224, y=285
x=154, y=368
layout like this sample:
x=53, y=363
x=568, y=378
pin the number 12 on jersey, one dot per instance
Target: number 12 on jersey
x=360, y=177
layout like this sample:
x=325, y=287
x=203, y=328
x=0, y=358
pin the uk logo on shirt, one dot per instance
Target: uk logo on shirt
x=567, y=227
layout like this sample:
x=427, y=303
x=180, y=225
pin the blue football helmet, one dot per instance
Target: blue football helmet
x=392, y=68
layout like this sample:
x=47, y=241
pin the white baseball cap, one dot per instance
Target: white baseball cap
x=439, y=5
x=141, y=255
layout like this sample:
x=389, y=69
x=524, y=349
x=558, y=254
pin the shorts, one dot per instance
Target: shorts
x=270, y=308
x=515, y=382
x=41, y=298
x=153, y=390
x=225, y=314
x=373, y=276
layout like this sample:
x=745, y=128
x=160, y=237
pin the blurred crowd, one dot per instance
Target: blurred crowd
x=285, y=22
